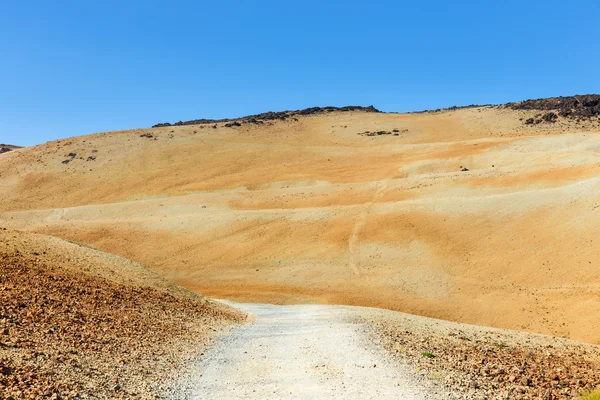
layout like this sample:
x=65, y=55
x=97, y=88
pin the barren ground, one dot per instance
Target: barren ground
x=341, y=352
x=76, y=323
x=313, y=211
x=303, y=352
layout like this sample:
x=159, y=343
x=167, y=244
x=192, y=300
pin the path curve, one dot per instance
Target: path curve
x=301, y=352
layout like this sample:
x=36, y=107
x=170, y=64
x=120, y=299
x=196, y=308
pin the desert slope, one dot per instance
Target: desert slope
x=79, y=323
x=472, y=215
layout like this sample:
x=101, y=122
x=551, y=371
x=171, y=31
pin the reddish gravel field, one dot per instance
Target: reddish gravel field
x=65, y=334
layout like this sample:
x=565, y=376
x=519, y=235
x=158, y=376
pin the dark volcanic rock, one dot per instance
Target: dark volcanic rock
x=575, y=107
x=5, y=148
x=272, y=115
x=453, y=108
x=395, y=132
x=550, y=117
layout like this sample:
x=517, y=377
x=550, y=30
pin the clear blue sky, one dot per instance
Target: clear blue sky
x=75, y=67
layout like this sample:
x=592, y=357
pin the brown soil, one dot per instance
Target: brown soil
x=67, y=330
x=488, y=363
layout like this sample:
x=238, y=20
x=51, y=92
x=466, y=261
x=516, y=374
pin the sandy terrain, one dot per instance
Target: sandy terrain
x=313, y=211
x=303, y=352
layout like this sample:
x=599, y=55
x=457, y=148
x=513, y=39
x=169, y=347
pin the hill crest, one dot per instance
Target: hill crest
x=272, y=115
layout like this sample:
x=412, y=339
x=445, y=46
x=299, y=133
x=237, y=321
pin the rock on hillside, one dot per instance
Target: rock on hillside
x=84, y=324
x=574, y=107
x=5, y=148
x=272, y=115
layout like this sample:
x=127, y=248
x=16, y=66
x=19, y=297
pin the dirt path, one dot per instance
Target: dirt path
x=380, y=187
x=301, y=352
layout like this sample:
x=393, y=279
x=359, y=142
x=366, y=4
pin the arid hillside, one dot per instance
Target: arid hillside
x=79, y=323
x=486, y=215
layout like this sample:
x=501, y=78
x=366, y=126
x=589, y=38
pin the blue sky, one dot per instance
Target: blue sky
x=74, y=67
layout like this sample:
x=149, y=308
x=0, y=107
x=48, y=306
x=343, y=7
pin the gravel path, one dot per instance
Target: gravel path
x=300, y=352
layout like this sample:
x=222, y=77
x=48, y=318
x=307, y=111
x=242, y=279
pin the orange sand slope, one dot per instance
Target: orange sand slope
x=312, y=211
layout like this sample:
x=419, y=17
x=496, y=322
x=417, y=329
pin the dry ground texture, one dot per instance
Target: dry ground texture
x=467, y=215
x=336, y=352
x=487, y=363
x=79, y=323
x=305, y=352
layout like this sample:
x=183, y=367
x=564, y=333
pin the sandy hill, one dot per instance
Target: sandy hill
x=79, y=323
x=486, y=215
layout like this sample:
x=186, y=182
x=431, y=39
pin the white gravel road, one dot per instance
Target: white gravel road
x=301, y=352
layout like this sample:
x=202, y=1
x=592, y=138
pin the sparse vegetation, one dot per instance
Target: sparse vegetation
x=593, y=395
x=428, y=354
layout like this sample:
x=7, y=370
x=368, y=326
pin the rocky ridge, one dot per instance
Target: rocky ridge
x=270, y=116
x=580, y=108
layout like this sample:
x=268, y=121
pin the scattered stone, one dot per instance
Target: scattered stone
x=577, y=107
x=570, y=106
x=77, y=335
x=470, y=363
x=550, y=117
x=376, y=133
